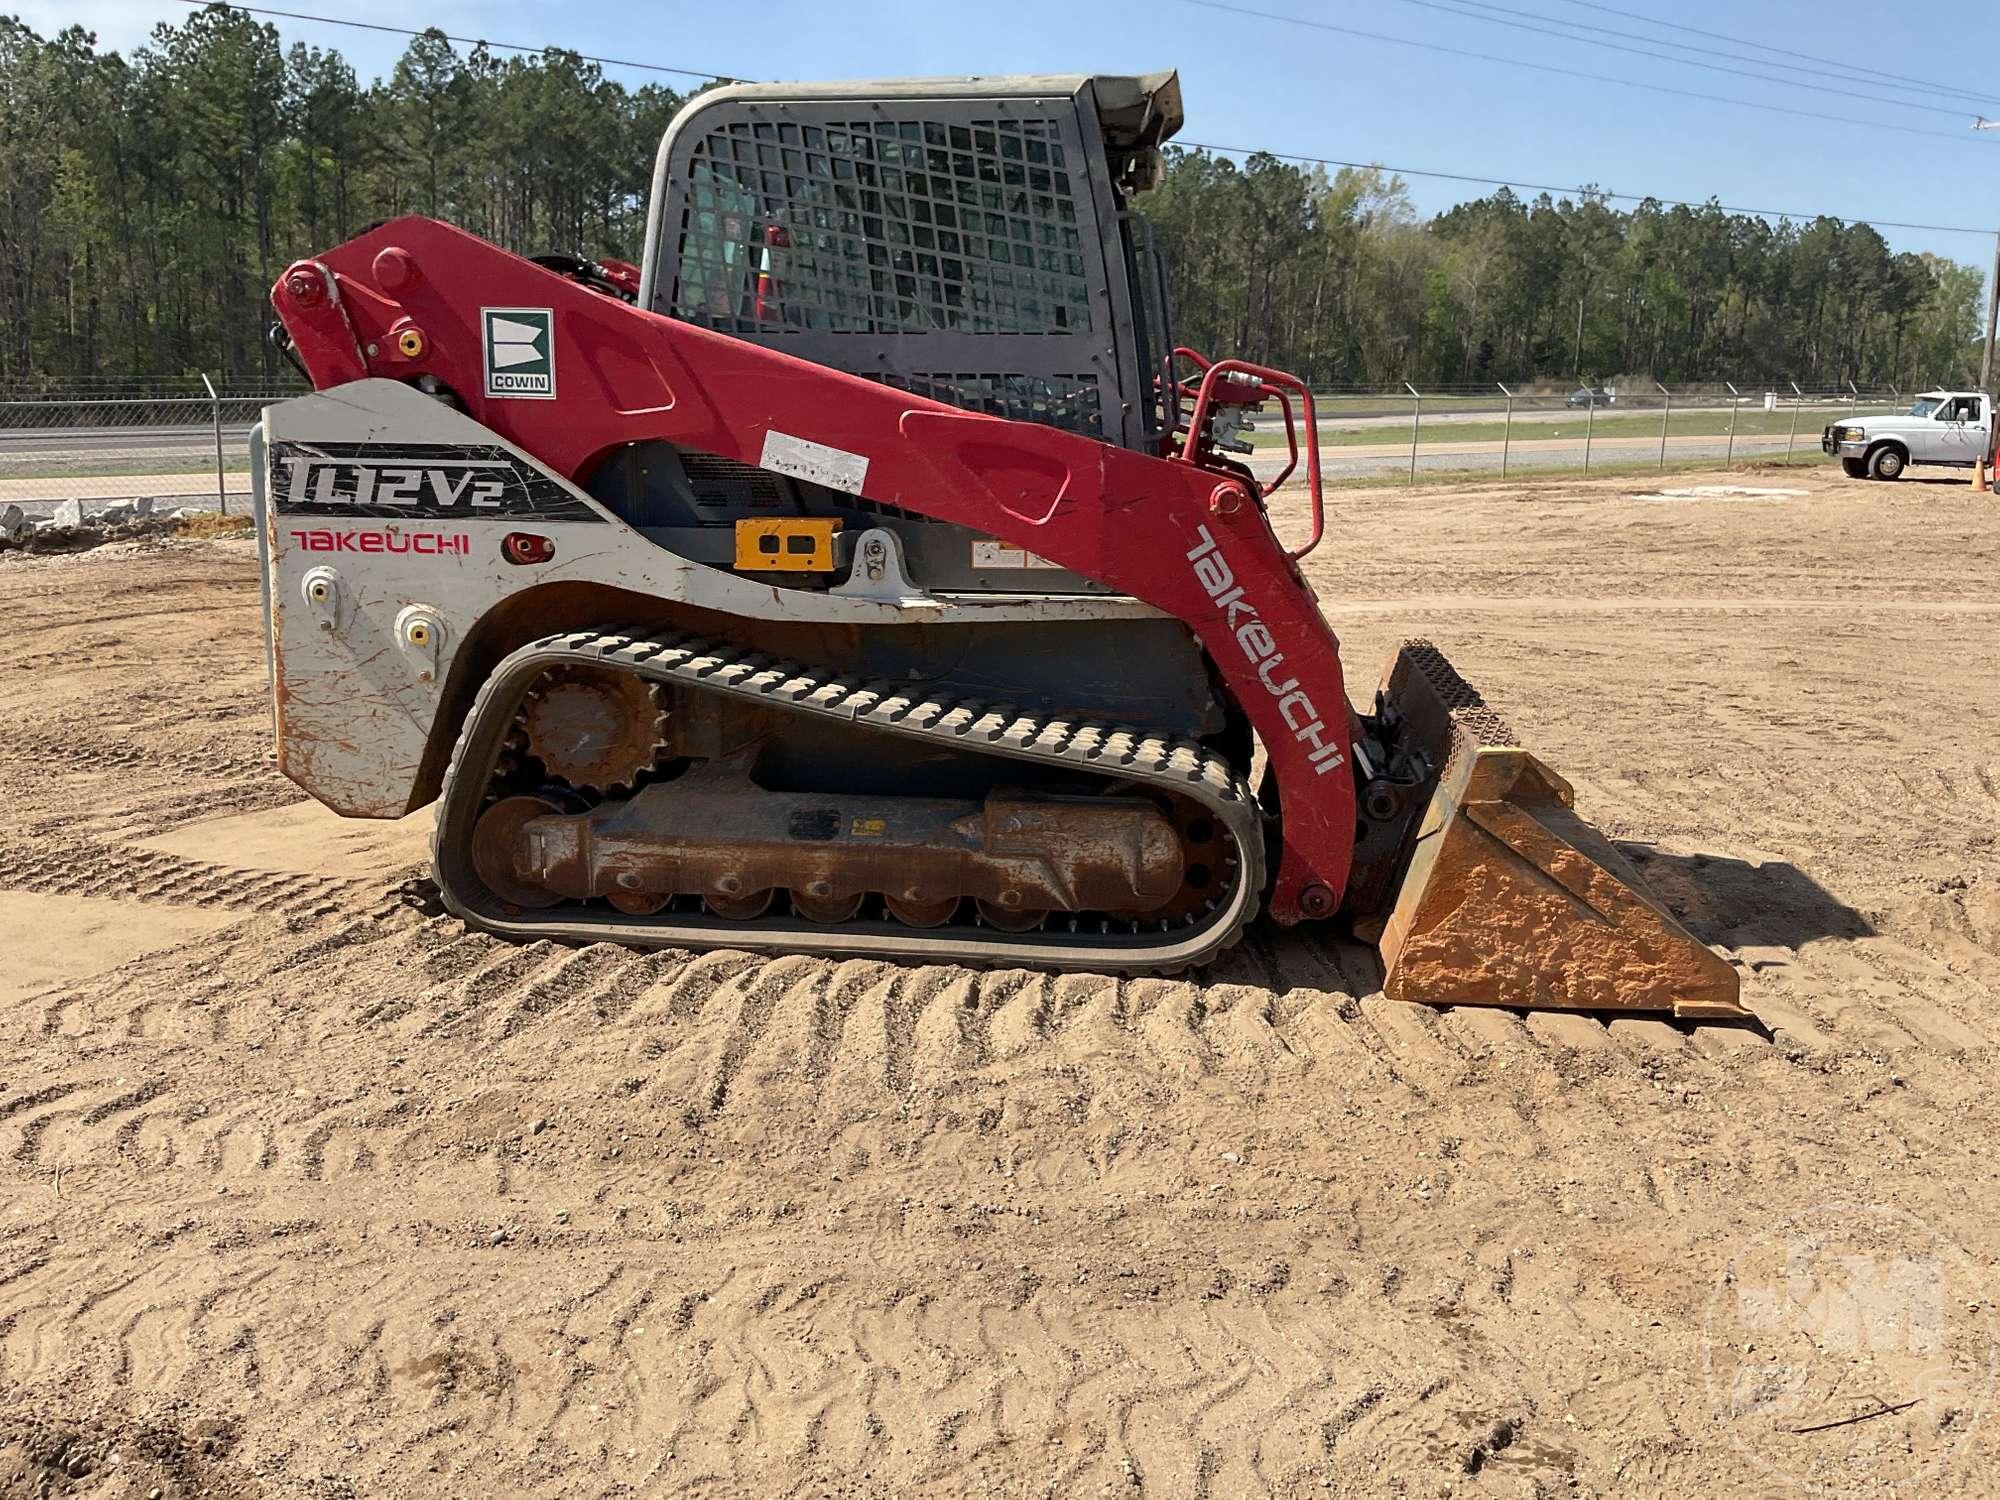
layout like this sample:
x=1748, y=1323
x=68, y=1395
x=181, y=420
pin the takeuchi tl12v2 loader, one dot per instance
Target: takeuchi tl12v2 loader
x=869, y=575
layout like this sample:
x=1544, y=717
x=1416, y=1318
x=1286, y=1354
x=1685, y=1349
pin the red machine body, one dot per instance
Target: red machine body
x=1185, y=532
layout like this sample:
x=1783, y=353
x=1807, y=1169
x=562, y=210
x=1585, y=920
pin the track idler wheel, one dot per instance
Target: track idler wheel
x=494, y=840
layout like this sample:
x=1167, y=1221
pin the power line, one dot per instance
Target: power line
x=1543, y=187
x=1845, y=68
x=472, y=41
x=1569, y=31
x=1632, y=83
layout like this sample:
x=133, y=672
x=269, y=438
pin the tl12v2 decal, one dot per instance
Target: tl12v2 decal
x=433, y=481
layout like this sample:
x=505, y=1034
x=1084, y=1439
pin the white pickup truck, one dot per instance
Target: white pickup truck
x=1954, y=428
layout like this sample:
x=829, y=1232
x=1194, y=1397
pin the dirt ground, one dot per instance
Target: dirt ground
x=305, y=1190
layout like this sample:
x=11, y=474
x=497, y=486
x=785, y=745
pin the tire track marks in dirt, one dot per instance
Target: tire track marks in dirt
x=1231, y=1412
x=28, y=1120
x=801, y=1225
x=119, y=871
x=755, y=996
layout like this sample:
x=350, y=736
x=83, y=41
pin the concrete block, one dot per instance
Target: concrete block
x=69, y=513
x=112, y=515
x=13, y=523
x=143, y=506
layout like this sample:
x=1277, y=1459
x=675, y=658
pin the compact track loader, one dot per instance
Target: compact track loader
x=869, y=574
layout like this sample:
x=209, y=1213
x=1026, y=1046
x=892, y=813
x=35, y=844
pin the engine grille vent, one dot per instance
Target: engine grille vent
x=724, y=482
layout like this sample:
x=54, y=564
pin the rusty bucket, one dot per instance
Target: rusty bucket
x=1508, y=897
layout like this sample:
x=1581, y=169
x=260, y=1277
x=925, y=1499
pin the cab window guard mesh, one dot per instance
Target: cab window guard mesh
x=884, y=226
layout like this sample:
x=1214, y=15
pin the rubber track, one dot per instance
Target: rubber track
x=1170, y=763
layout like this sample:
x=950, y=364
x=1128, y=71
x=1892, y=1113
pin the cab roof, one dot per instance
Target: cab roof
x=1137, y=112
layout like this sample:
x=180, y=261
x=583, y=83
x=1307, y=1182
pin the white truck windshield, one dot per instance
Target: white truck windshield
x=1925, y=405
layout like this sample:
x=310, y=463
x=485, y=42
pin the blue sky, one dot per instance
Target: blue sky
x=1260, y=82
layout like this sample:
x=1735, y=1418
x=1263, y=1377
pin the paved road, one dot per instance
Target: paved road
x=163, y=461
x=85, y=443
x=1391, y=415
x=37, y=449
x=42, y=467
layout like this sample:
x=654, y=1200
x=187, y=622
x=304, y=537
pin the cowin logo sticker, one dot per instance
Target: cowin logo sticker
x=520, y=352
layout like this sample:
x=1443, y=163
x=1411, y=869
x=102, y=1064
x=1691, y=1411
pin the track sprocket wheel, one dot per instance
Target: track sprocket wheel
x=593, y=727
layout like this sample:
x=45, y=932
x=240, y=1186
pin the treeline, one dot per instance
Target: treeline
x=147, y=203
x=1340, y=280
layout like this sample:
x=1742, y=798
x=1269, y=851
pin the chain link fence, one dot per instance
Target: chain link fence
x=1620, y=427
x=107, y=453
x=125, y=449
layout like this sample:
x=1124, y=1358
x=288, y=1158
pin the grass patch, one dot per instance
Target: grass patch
x=1389, y=401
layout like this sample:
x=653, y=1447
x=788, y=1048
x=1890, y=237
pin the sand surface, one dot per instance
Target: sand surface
x=307, y=1191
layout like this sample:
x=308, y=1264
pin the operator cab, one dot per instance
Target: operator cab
x=970, y=240
x=967, y=239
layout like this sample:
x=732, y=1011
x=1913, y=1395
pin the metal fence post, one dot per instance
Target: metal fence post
x=1507, y=432
x=1666, y=416
x=1798, y=400
x=1416, y=425
x=1589, y=423
x=1857, y=399
x=1735, y=400
x=215, y=415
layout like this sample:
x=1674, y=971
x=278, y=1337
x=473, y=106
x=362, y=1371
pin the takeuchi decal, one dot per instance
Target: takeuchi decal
x=418, y=543
x=1246, y=623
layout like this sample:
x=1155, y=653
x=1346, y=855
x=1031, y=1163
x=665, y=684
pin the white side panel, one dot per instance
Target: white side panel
x=383, y=513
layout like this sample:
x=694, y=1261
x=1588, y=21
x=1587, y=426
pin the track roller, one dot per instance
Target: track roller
x=916, y=912
x=1010, y=919
x=744, y=906
x=824, y=907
